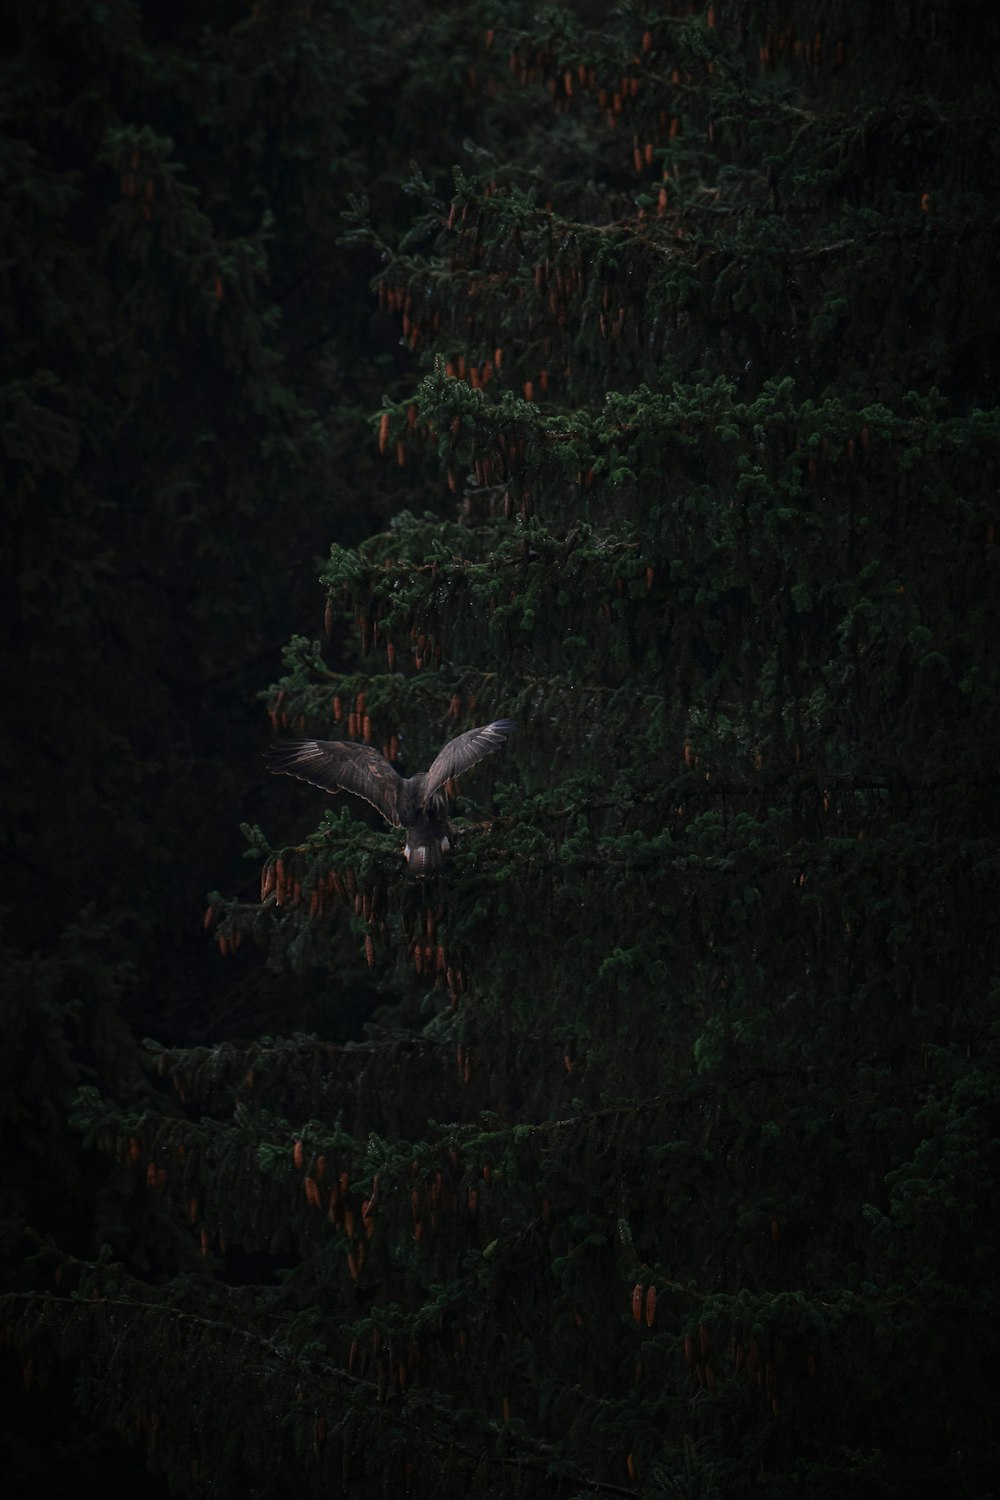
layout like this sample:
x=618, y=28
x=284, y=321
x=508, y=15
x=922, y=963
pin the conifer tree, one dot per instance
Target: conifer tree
x=665, y=1163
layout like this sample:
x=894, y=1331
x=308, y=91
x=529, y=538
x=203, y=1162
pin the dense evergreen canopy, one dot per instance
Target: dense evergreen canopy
x=635, y=370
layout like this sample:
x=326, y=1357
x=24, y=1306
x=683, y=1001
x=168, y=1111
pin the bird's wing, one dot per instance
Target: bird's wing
x=336, y=765
x=465, y=751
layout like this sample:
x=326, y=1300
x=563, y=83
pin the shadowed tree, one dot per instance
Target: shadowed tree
x=665, y=1165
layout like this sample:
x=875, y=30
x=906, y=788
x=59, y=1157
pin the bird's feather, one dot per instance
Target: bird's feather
x=465, y=751
x=339, y=765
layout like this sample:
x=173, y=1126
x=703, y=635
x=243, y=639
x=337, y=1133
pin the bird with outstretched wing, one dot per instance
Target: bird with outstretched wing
x=417, y=803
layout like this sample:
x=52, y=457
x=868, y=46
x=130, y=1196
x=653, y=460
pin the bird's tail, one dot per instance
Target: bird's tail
x=425, y=856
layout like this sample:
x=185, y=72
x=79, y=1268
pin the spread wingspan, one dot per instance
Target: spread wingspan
x=338, y=765
x=462, y=753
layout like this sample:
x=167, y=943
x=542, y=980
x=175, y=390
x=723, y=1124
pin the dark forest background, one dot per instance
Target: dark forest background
x=372, y=372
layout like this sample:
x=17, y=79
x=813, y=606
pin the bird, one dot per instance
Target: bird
x=417, y=803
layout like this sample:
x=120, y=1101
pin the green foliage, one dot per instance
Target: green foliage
x=60, y=1025
x=666, y=1165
